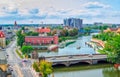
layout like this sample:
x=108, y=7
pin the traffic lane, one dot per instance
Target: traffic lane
x=27, y=72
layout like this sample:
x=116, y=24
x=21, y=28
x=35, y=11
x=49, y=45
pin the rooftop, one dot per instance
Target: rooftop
x=2, y=34
x=39, y=36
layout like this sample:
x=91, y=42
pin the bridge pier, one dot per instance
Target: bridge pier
x=67, y=64
x=94, y=61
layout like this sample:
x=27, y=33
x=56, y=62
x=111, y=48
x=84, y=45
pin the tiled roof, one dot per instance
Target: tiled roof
x=113, y=29
x=2, y=34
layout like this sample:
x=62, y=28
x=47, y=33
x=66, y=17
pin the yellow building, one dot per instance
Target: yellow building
x=2, y=40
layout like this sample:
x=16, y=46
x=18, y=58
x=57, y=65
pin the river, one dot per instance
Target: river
x=103, y=71
x=93, y=71
x=72, y=48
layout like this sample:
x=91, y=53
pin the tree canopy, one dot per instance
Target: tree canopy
x=26, y=49
x=112, y=49
x=21, y=38
x=44, y=67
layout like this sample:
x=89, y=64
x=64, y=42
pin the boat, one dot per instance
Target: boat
x=78, y=47
x=52, y=47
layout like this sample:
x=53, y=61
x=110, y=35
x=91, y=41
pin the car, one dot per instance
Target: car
x=53, y=58
x=3, y=49
x=70, y=56
x=90, y=55
x=24, y=60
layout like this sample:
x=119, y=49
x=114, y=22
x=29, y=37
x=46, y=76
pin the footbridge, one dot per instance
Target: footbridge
x=73, y=59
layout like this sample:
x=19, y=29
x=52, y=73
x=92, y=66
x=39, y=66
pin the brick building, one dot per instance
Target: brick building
x=41, y=40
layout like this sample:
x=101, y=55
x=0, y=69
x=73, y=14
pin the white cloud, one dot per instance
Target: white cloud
x=96, y=5
x=55, y=10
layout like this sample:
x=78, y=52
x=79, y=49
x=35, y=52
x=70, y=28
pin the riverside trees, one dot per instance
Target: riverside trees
x=112, y=49
x=26, y=49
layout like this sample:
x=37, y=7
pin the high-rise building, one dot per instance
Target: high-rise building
x=73, y=22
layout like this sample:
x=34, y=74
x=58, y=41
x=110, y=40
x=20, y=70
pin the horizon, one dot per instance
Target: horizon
x=54, y=11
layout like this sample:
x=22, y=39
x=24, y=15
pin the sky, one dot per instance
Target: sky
x=54, y=11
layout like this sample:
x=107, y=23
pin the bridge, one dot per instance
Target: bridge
x=73, y=59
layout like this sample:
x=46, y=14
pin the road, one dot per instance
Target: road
x=16, y=63
x=75, y=57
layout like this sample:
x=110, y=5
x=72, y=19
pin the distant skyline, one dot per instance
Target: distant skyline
x=54, y=11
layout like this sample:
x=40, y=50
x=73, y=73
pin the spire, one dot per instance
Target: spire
x=15, y=23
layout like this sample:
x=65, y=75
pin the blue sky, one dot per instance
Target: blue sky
x=54, y=11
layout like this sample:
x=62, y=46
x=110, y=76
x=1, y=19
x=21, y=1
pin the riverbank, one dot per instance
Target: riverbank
x=66, y=43
x=81, y=67
x=96, y=44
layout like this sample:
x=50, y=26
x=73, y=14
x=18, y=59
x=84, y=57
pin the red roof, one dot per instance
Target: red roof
x=43, y=30
x=113, y=29
x=2, y=34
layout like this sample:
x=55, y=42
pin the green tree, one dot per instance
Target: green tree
x=73, y=32
x=112, y=49
x=26, y=49
x=64, y=32
x=20, y=38
x=87, y=30
x=35, y=66
x=32, y=33
x=44, y=67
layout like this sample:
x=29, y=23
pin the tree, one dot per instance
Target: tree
x=35, y=66
x=20, y=38
x=32, y=33
x=87, y=30
x=44, y=67
x=53, y=32
x=112, y=49
x=26, y=49
x=64, y=32
x=73, y=32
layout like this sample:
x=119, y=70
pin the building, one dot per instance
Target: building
x=41, y=40
x=116, y=30
x=98, y=23
x=2, y=40
x=42, y=30
x=3, y=65
x=73, y=22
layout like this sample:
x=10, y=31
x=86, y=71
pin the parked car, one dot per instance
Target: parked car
x=24, y=60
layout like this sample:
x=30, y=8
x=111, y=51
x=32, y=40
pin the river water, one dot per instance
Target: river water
x=72, y=48
x=99, y=72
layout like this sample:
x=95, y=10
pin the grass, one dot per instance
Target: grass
x=64, y=38
x=19, y=54
x=82, y=67
x=70, y=43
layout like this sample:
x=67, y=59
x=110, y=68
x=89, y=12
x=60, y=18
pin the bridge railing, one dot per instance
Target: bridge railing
x=74, y=55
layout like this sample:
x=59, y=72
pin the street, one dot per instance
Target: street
x=19, y=68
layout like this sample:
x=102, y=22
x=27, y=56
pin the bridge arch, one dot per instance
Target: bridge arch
x=59, y=65
x=80, y=63
x=102, y=61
